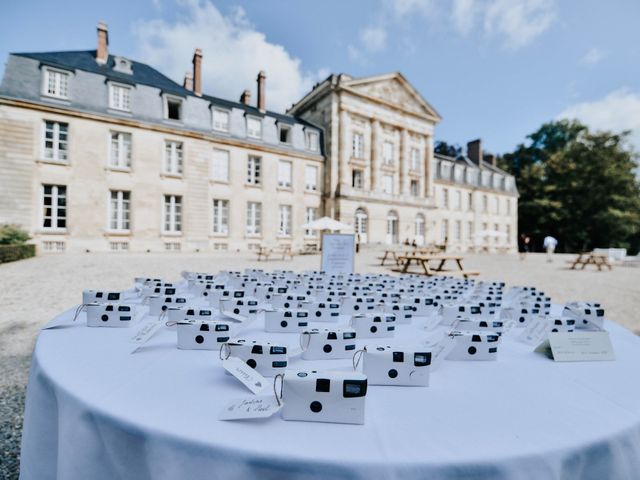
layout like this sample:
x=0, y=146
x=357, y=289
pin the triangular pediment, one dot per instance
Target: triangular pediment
x=393, y=89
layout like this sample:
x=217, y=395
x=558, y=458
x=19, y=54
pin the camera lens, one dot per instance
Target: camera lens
x=472, y=350
x=374, y=329
x=315, y=407
x=284, y=324
x=252, y=363
x=393, y=373
x=105, y=318
x=327, y=348
x=199, y=339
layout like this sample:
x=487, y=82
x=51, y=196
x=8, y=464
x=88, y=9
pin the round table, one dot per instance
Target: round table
x=96, y=411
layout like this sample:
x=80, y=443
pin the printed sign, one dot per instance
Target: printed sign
x=338, y=252
x=578, y=346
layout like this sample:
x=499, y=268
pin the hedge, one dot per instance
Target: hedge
x=11, y=253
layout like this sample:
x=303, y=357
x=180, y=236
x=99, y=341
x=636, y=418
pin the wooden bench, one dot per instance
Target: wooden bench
x=591, y=258
x=424, y=261
x=281, y=250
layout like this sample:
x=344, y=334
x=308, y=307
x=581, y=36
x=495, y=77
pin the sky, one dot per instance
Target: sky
x=493, y=69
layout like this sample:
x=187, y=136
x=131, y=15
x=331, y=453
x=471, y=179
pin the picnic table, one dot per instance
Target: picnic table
x=396, y=254
x=265, y=252
x=433, y=265
x=591, y=258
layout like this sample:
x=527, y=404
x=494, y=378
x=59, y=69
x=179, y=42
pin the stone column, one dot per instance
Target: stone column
x=375, y=155
x=428, y=162
x=345, y=151
x=404, y=162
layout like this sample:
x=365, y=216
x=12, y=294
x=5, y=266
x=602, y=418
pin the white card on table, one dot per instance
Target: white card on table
x=578, y=346
x=145, y=332
x=535, y=332
x=262, y=406
x=249, y=377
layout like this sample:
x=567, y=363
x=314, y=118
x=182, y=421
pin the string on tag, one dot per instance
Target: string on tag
x=171, y=323
x=275, y=389
x=358, y=354
x=303, y=336
x=224, y=348
x=78, y=310
x=162, y=316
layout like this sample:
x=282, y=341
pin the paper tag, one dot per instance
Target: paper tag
x=247, y=375
x=145, y=332
x=535, y=332
x=262, y=406
x=578, y=346
x=235, y=317
x=440, y=350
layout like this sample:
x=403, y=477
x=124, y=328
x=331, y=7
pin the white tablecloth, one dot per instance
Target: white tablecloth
x=95, y=411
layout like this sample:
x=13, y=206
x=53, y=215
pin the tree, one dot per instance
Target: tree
x=578, y=186
x=12, y=235
x=443, y=148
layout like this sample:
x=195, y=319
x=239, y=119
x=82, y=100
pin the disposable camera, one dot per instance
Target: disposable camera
x=425, y=306
x=355, y=305
x=524, y=316
x=328, y=344
x=561, y=324
x=474, y=346
x=586, y=315
x=158, y=290
x=377, y=325
x=266, y=358
x=110, y=315
x=312, y=396
x=265, y=293
x=97, y=296
x=402, y=311
x=145, y=281
x=214, y=296
x=202, y=335
x=467, y=324
x=175, y=314
x=451, y=313
x=158, y=304
x=286, y=320
x=246, y=306
x=289, y=301
x=385, y=365
x=323, y=311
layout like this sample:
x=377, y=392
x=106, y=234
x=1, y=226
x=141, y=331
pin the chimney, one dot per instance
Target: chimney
x=262, y=77
x=490, y=158
x=102, y=53
x=474, y=151
x=188, y=81
x=197, y=72
x=246, y=97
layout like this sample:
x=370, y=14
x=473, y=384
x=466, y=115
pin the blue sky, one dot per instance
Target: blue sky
x=494, y=69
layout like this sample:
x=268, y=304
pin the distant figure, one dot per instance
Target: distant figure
x=406, y=241
x=414, y=244
x=523, y=245
x=549, y=243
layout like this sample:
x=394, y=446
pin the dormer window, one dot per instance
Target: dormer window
x=285, y=134
x=122, y=65
x=56, y=83
x=173, y=108
x=120, y=97
x=254, y=127
x=220, y=120
x=312, y=141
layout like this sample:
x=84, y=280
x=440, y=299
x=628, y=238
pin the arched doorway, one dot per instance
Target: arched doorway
x=392, y=227
x=419, y=229
x=362, y=221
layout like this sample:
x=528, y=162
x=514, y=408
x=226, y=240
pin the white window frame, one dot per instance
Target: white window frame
x=283, y=166
x=124, y=157
x=387, y=184
x=357, y=145
x=457, y=230
x=311, y=178
x=310, y=215
x=414, y=156
x=56, y=142
x=457, y=200
x=445, y=198
x=251, y=133
x=173, y=98
x=58, y=74
x=387, y=152
x=360, y=175
x=254, y=170
x=125, y=88
x=220, y=216
x=220, y=126
x=444, y=230
x=122, y=205
x=289, y=129
x=253, y=224
x=312, y=140
x=216, y=168
x=415, y=182
x=55, y=194
x=173, y=208
x=285, y=214
x=173, y=157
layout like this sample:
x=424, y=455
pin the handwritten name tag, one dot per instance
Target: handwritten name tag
x=255, y=407
x=578, y=347
x=147, y=330
x=249, y=377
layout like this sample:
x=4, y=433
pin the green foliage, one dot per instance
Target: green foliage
x=11, y=253
x=12, y=235
x=578, y=186
x=443, y=148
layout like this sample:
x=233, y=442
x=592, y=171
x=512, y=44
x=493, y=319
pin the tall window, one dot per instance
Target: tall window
x=415, y=159
x=221, y=216
x=414, y=187
x=173, y=108
x=508, y=206
x=285, y=134
x=254, y=127
x=470, y=201
x=419, y=229
x=254, y=218
x=387, y=153
x=470, y=230
x=445, y=231
x=172, y=213
x=357, y=147
x=457, y=230
x=284, y=174
x=496, y=227
x=54, y=207
x=56, y=83
x=220, y=166
x=310, y=215
x=357, y=178
x=485, y=203
x=120, y=97
x=311, y=178
x=457, y=200
x=312, y=141
x=508, y=228
x=119, y=210
x=120, y=150
x=285, y=220
x=220, y=120
x=496, y=205
x=55, y=141
x=254, y=170
x=387, y=184
x=361, y=224
x=173, y=157
x=445, y=198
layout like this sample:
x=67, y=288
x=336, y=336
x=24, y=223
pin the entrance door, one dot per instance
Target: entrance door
x=392, y=228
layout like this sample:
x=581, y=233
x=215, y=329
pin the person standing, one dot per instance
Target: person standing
x=549, y=243
x=523, y=245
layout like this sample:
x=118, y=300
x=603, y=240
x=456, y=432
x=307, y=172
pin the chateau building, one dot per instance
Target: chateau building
x=99, y=152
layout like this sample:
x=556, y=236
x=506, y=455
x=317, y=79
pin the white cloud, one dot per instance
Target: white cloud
x=463, y=15
x=373, y=38
x=520, y=21
x=403, y=8
x=233, y=54
x=618, y=111
x=593, y=56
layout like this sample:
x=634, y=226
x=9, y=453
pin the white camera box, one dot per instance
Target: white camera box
x=336, y=397
x=472, y=324
x=403, y=312
x=474, y=346
x=267, y=358
x=385, y=365
x=289, y=301
x=323, y=311
x=355, y=305
x=214, y=296
x=524, y=315
x=374, y=325
x=328, y=344
x=202, y=335
x=97, y=296
x=586, y=315
x=159, y=290
x=425, y=306
x=286, y=320
x=110, y=315
x=561, y=324
x=158, y=304
x=175, y=314
x=246, y=306
x=265, y=293
x=452, y=312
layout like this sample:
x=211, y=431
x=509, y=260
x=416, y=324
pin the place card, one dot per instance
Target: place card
x=249, y=377
x=262, y=406
x=577, y=347
x=144, y=333
x=535, y=332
